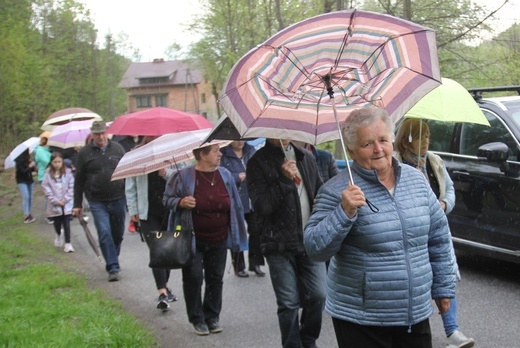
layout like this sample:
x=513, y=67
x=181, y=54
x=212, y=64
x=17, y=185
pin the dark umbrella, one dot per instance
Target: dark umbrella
x=91, y=240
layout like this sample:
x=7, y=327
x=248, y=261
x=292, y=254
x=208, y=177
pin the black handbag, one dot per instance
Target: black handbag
x=170, y=249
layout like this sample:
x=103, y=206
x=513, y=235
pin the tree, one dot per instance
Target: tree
x=50, y=60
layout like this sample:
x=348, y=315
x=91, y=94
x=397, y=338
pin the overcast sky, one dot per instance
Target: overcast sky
x=154, y=25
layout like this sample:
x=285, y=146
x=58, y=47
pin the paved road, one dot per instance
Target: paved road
x=489, y=301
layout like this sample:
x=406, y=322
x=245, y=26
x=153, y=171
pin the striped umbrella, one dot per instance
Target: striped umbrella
x=297, y=84
x=167, y=150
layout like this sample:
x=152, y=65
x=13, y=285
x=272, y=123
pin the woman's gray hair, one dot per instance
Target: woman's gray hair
x=363, y=117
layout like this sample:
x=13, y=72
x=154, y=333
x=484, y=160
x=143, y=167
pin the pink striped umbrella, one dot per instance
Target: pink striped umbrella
x=299, y=83
x=167, y=150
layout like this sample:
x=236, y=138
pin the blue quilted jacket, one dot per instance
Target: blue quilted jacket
x=385, y=266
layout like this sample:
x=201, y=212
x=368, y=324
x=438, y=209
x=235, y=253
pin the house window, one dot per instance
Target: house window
x=203, y=98
x=143, y=101
x=160, y=100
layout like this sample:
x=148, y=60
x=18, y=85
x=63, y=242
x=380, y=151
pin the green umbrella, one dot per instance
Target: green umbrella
x=449, y=102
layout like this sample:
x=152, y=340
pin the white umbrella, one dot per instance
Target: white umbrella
x=166, y=150
x=30, y=144
x=66, y=115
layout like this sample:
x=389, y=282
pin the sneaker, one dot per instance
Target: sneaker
x=201, y=329
x=57, y=240
x=458, y=340
x=171, y=296
x=113, y=276
x=162, y=303
x=49, y=221
x=29, y=219
x=68, y=248
x=214, y=327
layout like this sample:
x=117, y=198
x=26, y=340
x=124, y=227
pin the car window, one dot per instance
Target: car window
x=475, y=135
x=513, y=108
x=441, y=135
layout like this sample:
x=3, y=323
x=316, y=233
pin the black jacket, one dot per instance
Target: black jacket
x=94, y=171
x=24, y=173
x=275, y=197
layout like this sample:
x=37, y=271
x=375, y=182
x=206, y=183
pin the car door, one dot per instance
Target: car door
x=486, y=213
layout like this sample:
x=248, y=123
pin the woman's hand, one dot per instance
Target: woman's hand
x=351, y=199
x=443, y=304
x=187, y=202
x=289, y=169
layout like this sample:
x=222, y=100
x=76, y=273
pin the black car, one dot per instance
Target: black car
x=484, y=164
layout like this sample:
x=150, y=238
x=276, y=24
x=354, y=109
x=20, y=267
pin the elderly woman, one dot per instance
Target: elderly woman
x=412, y=141
x=207, y=198
x=388, y=240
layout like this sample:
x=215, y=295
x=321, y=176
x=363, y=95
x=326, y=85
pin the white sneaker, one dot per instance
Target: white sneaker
x=459, y=340
x=68, y=248
x=57, y=240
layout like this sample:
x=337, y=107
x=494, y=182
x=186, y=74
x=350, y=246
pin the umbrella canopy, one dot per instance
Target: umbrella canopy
x=90, y=238
x=30, y=144
x=225, y=130
x=71, y=134
x=449, y=102
x=66, y=115
x=168, y=149
x=291, y=85
x=157, y=121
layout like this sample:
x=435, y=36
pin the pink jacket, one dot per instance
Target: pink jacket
x=50, y=189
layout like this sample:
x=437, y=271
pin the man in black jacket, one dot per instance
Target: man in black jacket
x=282, y=181
x=94, y=167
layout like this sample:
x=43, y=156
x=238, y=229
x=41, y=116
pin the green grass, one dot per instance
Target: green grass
x=44, y=304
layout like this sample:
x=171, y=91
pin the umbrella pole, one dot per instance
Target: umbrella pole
x=330, y=92
x=420, y=147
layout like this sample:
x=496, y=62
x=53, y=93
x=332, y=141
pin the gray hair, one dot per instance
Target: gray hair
x=363, y=117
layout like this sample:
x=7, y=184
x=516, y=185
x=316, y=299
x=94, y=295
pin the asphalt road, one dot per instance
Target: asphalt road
x=489, y=300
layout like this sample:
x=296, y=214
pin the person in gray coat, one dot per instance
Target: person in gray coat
x=388, y=240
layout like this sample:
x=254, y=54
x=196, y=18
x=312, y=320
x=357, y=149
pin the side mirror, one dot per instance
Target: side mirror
x=493, y=152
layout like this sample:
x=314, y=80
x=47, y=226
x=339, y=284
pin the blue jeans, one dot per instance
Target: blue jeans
x=209, y=264
x=109, y=218
x=26, y=190
x=449, y=319
x=289, y=273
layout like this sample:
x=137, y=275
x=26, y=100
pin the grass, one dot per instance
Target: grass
x=44, y=304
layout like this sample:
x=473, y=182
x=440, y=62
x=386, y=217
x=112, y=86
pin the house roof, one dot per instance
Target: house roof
x=160, y=73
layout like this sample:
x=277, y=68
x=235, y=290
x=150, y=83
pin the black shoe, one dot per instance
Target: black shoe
x=201, y=329
x=258, y=271
x=113, y=276
x=171, y=296
x=242, y=274
x=162, y=303
x=214, y=327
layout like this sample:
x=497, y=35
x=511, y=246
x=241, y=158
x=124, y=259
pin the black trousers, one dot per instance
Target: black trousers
x=350, y=335
x=255, y=256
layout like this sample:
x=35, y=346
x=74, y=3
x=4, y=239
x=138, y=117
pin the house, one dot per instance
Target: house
x=171, y=84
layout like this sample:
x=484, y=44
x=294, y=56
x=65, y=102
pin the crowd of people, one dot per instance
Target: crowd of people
x=370, y=246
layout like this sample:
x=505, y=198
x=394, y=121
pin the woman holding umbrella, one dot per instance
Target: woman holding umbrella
x=25, y=167
x=412, y=141
x=387, y=239
x=144, y=201
x=206, y=197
